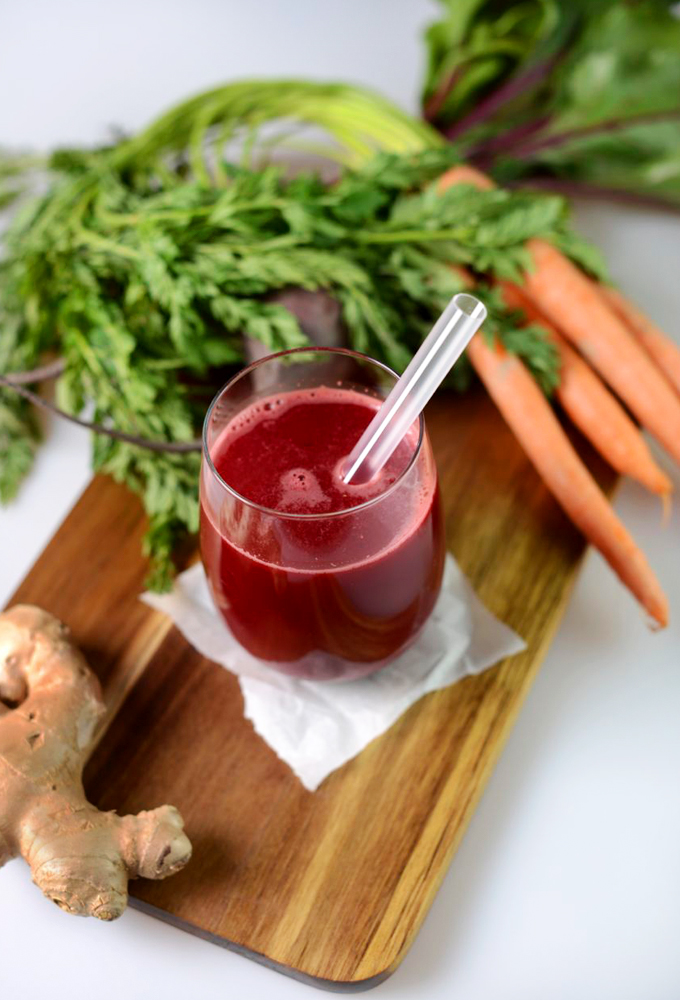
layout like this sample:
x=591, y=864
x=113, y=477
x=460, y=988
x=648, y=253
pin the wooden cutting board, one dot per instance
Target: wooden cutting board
x=332, y=886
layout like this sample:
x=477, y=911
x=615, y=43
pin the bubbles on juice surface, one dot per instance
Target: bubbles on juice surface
x=302, y=492
x=252, y=415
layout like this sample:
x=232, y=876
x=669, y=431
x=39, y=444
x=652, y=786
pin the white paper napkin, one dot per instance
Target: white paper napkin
x=315, y=726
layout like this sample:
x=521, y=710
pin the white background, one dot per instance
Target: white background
x=566, y=884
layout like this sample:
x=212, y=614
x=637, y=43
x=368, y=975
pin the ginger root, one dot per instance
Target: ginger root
x=50, y=703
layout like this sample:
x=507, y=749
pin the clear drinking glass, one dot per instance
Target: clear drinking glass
x=330, y=595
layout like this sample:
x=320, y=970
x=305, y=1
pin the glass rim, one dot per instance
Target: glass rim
x=288, y=515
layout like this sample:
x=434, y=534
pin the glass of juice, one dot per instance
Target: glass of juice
x=322, y=580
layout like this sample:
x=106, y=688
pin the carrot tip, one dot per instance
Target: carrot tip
x=658, y=621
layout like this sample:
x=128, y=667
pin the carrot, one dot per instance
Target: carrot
x=576, y=307
x=463, y=173
x=656, y=343
x=570, y=300
x=530, y=417
x=594, y=410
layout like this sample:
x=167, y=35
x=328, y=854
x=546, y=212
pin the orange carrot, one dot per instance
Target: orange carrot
x=571, y=301
x=463, y=173
x=657, y=344
x=530, y=417
x=594, y=410
x=574, y=304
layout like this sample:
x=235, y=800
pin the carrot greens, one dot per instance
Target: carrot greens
x=143, y=265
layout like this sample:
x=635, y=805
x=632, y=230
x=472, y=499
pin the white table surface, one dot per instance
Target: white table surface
x=566, y=884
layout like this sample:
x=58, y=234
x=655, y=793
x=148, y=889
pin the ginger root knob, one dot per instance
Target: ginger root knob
x=50, y=703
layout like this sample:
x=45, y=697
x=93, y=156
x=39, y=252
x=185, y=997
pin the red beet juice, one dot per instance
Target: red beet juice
x=322, y=579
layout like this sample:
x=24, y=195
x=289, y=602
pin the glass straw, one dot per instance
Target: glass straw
x=432, y=362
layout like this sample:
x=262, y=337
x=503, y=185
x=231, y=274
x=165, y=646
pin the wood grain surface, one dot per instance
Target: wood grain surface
x=331, y=886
